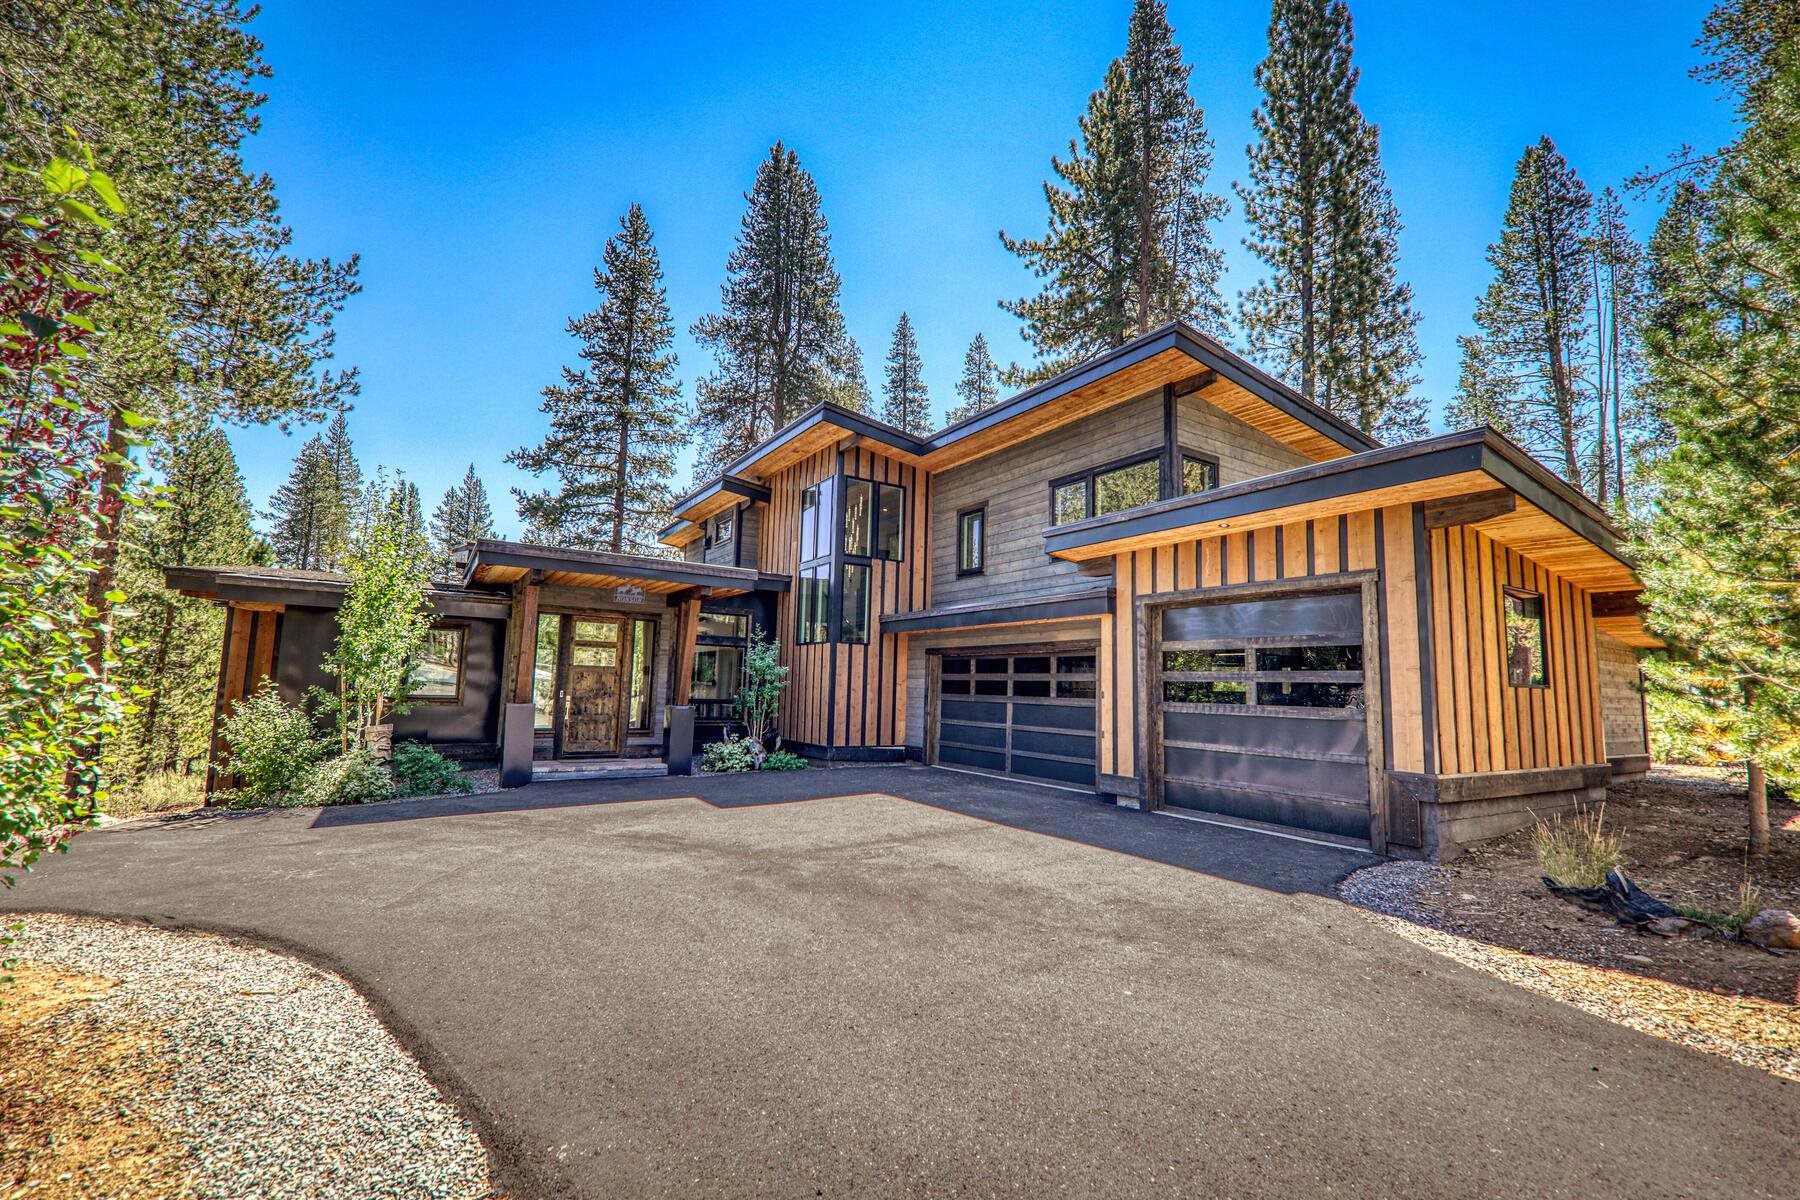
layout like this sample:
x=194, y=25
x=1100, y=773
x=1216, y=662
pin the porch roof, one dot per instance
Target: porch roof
x=1535, y=512
x=491, y=561
x=1059, y=606
x=280, y=587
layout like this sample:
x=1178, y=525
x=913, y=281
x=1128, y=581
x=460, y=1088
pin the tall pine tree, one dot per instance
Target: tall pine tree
x=1723, y=353
x=616, y=423
x=461, y=517
x=307, y=514
x=1524, y=372
x=201, y=518
x=1129, y=245
x=907, y=405
x=1331, y=318
x=1619, y=270
x=979, y=386
x=778, y=343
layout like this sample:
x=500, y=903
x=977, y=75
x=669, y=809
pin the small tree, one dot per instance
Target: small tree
x=385, y=617
x=759, y=699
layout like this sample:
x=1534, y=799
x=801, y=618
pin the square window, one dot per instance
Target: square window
x=1526, y=661
x=437, y=671
x=971, y=542
x=1197, y=475
x=1068, y=502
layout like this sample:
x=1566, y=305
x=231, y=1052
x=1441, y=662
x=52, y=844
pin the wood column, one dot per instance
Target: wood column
x=246, y=659
x=687, y=637
x=525, y=641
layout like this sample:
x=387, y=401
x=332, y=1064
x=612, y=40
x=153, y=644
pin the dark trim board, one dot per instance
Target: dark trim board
x=629, y=566
x=1093, y=602
x=724, y=484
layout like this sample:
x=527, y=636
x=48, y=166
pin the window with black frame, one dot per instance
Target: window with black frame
x=812, y=623
x=719, y=662
x=874, y=528
x=1130, y=483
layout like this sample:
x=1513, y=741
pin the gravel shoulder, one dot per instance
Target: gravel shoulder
x=254, y=1074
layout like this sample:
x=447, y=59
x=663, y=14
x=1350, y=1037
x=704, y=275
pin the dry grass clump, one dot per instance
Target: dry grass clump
x=1577, y=851
x=75, y=1096
x=159, y=791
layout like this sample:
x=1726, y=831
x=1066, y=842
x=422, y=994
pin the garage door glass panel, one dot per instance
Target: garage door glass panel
x=959, y=756
x=1079, y=774
x=1309, y=658
x=1310, y=695
x=1067, y=745
x=1349, y=738
x=1336, y=617
x=989, y=736
x=974, y=710
x=1053, y=716
x=1206, y=691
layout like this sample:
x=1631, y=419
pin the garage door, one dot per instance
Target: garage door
x=1030, y=715
x=1262, y=711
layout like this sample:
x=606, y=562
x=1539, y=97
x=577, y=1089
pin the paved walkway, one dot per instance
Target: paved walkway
x=639, y=993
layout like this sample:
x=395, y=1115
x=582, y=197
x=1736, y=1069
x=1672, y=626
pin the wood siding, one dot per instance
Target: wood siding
x=1621, y=698
x=1243, y=451
x=847, y=695
x=1446, y=704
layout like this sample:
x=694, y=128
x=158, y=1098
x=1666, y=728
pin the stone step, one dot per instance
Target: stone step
x=615, y=768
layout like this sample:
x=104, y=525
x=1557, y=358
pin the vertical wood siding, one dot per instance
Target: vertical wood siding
x=1446, y=705
x=846, y=695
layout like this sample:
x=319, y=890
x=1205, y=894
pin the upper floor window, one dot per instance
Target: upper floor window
x=1526, y=659
x=874, y=519
x=812, y=608
x=971, y=541
x=720, y=529
x=1118, y=486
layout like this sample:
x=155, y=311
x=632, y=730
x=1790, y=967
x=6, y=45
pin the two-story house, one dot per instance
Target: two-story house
x=1161, y=577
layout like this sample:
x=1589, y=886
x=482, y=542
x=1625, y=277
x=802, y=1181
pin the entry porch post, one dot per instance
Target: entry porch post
x=518, y=729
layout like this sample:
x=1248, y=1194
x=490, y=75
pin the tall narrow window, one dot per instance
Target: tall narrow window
x=543, y=674
x=643, y=664
x=890, y=522
x=971, y=541
x=1526, y=660
x=814, y=605
x=855, y=617
x=858, y=512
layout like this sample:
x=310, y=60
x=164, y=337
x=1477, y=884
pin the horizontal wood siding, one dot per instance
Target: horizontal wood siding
x=1621, y=698
x=1483, y=723
x=1244, y=452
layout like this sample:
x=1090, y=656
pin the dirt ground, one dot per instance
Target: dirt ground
x=1684, y=835
x=75, y=1096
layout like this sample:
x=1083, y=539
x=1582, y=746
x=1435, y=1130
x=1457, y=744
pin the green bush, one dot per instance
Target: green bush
x=732, y=754
x=354, y=778
x=159, y=791
x=784, y=760
x=271, y=747
x=421, y=771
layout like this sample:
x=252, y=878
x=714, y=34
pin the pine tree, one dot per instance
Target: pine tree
x=346, y=476
x=308, y=515
x=461, y=517
x=907, y=404
x=1533, y=319
x=979, y=386
x=1129, y=245
x=1718, y=553
x=1332, y=317
x=616, y=423
x=779, y=344
x=202, y=518
x=1619, y=268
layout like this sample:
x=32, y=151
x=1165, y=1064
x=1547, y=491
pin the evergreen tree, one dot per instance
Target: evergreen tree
x=979, y=386
x=461, y=517
x=1332, y=317
x=201, y=518
x=1129, y=245
x=779, y=344
x=1619, y=269
x=1718, y=553
x=907, y=404
x=307, y=512
x=1525, y=366
x=616, y=423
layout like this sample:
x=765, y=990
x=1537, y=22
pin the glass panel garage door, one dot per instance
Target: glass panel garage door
x=1262, y=711
x=1030, y=715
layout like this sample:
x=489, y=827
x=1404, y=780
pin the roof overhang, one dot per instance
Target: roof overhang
x=1550, y=522
x=505, y=563
x=1089, y=602
x=277, y=588
x=727, y=491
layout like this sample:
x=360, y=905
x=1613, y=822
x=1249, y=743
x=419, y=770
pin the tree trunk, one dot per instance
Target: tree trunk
x=106, y=553
x=1759, y=809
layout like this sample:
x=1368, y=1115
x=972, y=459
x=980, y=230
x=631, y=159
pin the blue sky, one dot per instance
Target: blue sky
x=478, y=165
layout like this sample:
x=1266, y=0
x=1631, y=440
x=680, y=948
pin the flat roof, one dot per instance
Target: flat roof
x=492, y=560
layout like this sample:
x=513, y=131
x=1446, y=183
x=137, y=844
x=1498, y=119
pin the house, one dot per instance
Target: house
x=1161, y=577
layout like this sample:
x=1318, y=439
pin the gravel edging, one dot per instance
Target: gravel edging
x=285, y=1082
x=1747, y=1030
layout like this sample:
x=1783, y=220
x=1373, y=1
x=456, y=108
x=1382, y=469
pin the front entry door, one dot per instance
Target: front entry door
x=591, y=720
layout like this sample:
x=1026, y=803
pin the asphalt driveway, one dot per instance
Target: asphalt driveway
x=895, y=985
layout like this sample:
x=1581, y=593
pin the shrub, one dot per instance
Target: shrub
x=1749, y=903
x=159, y=791
x=784, y=760
x=1577, y=852
x=421, y=771
x=272, y=747
x=732, y=754
x=354, y=778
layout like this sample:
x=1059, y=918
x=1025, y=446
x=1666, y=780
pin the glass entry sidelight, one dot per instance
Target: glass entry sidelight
x=593, y=696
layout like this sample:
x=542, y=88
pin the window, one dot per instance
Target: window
x=873, y=519
x=854, y=621
x=1068, y=502
x=814, y=605
x=1526, y=664
x=543, y=671
x=720, y=529
x=1127, y=487
x=437, y=671
x=971, y=541
x=717, y=672
x=1198, y=474
x=724, y=625
x=1293, y=676
x=643, y=662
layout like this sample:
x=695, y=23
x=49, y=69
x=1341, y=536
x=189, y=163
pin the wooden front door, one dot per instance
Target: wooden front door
x=595, y=696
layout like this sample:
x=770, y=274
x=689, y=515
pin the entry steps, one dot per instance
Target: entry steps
x=599, y=768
